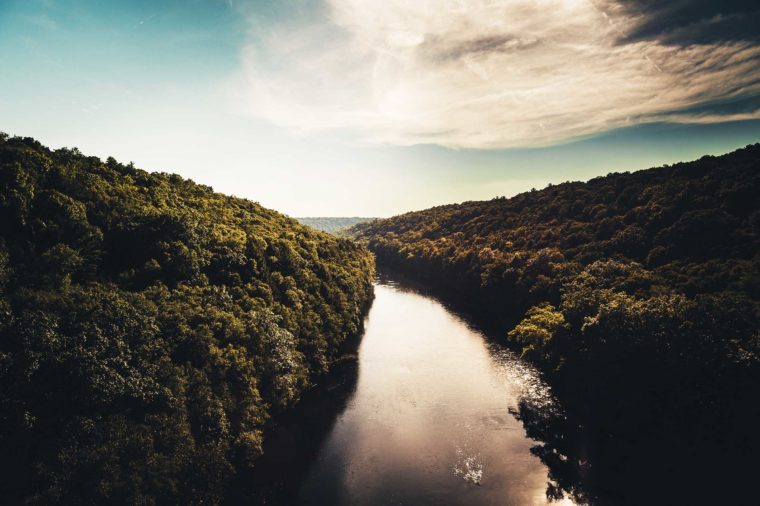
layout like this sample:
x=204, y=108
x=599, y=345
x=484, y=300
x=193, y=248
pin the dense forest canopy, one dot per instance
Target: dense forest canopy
x=150, y=327
x=332, y=224
x=637, y=294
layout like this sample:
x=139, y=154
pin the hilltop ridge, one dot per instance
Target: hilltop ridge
x=152, y=327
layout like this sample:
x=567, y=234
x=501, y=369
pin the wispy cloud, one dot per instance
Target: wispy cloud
x=143, y=21
x=485, y=73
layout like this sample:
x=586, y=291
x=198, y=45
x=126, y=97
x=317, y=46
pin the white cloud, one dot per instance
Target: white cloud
x=482, y=73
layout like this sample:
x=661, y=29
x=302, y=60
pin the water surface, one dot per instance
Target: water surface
x=429, y=421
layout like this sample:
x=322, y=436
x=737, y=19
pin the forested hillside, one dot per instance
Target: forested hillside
x=332, y=224
x=637, y=294
x=150, y=327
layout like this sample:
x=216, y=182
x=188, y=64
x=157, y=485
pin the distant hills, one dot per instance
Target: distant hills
x=332, y=225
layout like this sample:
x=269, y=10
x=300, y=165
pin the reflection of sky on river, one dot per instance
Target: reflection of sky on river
x=429, y=422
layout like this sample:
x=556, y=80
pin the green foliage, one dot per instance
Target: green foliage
x=538, y=328
x=638, y=295
x=150, y=327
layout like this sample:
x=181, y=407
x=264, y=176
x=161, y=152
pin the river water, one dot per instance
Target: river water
x=428, y=422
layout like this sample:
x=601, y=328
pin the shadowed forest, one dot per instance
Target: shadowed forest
x=151, y=328
x=637, y=296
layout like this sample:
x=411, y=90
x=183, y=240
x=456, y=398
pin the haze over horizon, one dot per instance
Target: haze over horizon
x=357, y=108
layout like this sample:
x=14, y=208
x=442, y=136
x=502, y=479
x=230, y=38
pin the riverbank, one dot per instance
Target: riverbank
x=646, y=451
x=423, y=417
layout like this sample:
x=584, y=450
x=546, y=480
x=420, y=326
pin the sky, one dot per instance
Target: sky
x=367, y=108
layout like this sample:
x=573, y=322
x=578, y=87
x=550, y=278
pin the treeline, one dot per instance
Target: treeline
x=637, y=294
x=332, y=224
x=150, y=328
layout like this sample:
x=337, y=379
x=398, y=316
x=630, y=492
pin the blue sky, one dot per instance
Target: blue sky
x=352, y=107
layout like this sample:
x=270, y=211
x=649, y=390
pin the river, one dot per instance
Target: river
x=428, y=422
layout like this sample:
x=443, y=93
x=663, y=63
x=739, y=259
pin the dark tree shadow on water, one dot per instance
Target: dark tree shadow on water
x=459, y=303
x=690, y=457
x=292, y=445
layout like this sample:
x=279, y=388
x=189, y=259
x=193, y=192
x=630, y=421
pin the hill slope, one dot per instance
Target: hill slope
x=637, y=294
x=150, y=327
